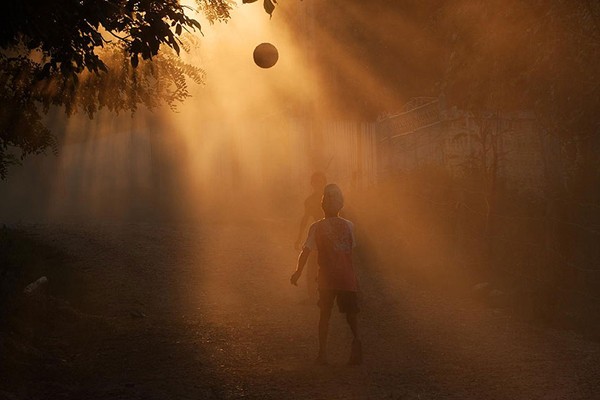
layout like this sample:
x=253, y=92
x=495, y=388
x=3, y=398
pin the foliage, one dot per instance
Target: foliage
x=269, y=5
x=87, y=55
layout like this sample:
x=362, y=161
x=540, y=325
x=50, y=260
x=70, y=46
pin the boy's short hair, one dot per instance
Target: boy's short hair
x=333, y=200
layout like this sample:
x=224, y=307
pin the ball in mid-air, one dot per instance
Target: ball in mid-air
x=265, y=55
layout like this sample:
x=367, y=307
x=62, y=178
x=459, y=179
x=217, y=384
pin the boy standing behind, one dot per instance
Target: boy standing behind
x=312, y=212
x=333, y=237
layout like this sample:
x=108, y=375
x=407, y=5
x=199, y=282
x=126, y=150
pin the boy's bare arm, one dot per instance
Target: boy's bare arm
x=301, y=263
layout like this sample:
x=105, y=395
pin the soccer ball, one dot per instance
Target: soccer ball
x=265, y=55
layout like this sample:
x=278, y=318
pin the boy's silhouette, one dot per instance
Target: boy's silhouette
x=333, y=238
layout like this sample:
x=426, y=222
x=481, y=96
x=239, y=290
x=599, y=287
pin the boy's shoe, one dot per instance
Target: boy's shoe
x=356, y=357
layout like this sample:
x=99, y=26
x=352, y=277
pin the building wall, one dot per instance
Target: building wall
x=430, y=135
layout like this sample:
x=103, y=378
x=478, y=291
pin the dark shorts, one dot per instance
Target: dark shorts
x=347, y=301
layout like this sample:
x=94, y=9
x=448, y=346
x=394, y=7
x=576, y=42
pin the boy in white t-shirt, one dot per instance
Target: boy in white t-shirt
x=333, y=237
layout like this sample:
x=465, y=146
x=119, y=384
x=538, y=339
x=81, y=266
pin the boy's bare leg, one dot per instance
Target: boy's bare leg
x=356, y=353
x=323, y=333
x=352, y=319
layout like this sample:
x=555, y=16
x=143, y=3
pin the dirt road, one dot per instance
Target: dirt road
x=207, y=312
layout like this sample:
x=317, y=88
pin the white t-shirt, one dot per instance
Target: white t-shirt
x=334, y=239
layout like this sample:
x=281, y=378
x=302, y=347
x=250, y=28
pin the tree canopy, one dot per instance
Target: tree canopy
x=87, y=55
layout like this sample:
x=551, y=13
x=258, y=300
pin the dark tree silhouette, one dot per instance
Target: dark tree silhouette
x=88, y=55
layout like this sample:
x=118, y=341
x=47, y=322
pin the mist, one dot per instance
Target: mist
x=463, y=135
x=346, y=98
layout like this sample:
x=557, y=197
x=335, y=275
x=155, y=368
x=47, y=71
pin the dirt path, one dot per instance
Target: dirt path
x=189, y=312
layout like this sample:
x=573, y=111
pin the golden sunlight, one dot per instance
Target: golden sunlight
x=398, y=201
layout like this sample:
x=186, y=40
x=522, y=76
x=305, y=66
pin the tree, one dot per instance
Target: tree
x=88, y=55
